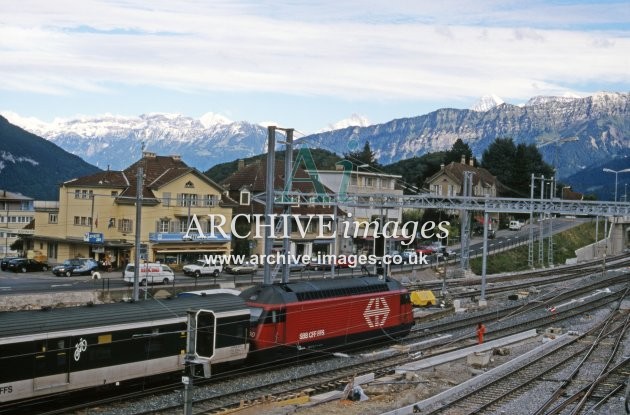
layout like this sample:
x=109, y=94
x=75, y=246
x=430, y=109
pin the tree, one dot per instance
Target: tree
x=456, y=152
x=513, y=165
x=365, y=156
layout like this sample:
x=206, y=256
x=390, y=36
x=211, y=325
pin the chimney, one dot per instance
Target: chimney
x=463, y=159
x=442, y=166
x=176, y=157
x=241, y=163
x=471, y=162
x=148, y=154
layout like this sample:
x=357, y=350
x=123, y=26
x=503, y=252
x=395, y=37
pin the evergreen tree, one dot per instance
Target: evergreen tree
x=513, y=165
x=364, y=156
x=456, y=152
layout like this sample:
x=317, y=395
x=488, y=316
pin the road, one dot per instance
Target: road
x=43, y=282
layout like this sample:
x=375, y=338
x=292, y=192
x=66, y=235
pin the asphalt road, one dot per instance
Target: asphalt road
x=43, y=282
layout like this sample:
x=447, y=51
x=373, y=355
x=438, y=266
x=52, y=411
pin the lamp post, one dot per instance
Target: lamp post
x=616, y=177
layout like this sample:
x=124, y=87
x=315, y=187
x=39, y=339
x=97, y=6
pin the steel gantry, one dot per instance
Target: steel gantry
x=462, y=203
x=468, y=203
x=465, y=204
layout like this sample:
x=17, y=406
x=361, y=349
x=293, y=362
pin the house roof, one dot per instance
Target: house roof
x=10, y=196
x=456, y=172
x=158, y=171
x=253, y=178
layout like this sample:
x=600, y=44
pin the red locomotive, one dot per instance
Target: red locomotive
x=297, y=317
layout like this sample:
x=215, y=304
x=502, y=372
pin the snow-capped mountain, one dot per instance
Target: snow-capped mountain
x=355, y=120
x=570, y=133
x=116, y=141
x=34, y=166
x=486, y=103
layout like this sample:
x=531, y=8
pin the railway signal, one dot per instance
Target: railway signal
x=199, y=350
x=204, y=334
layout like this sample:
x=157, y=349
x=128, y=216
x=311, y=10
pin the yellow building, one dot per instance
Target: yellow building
x=96, y=215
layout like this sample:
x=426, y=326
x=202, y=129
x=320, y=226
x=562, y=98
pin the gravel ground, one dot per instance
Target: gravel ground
x=400, y=392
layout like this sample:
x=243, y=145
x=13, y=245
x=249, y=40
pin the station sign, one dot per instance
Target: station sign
x=156, y=237
x=93, y=237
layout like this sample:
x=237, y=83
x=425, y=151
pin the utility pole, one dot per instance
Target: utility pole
x=541, y=240
x=136, y=269
x=552, y=192
x=482, y=299
x=530, y=253
x=269, y=199
x=288, y=172
x=465, y=222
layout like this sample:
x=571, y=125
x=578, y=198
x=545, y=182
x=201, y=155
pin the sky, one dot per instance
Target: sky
x=303, y=64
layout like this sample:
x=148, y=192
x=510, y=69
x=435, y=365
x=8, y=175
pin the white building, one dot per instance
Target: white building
x=368, y=186
x=16, y=211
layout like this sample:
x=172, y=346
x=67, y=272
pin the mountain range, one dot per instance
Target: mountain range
x=572, y=133
x=33, y=166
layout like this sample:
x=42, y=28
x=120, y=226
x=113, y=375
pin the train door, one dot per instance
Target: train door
x=52, y=363
x=278, y=319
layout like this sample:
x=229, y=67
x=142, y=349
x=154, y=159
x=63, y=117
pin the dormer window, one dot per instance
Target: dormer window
x=245, y=197
x=189, y=185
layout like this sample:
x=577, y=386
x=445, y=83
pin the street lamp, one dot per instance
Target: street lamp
x=616, y=177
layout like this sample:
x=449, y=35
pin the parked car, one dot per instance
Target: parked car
x=4, y=263
x=244, y=268
x=75, y=266
x=426, y=250
x=151, y=273
x=26, y=265
x=345, y=261
x=409, y=254
x=203, y=267
x=443, y=251
x=295, y=266
x=319, y=266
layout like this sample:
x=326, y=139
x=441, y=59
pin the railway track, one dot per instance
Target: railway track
x=337, y=378
x=600, y=344
x=461, y=327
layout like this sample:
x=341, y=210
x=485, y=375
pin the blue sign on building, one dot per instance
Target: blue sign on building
x=93, y=237
x=156, y=237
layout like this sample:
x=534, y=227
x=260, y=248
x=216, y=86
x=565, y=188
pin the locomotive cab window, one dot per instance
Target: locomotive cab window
x=405, y=299
x=255, y=315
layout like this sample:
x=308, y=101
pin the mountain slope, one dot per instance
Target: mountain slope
x=571, y=133
x=116, y=142
x=34, y=166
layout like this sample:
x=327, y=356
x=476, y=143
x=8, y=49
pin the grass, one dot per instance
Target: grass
x=564, y=243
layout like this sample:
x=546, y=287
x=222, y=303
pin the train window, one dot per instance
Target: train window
x=232, y=331
x=153, y=347
x=40, y=347
x=100, y=354
x=255, y=313
x=274, y=316
x=104, y=338
x=62, y=360
x=405, y=299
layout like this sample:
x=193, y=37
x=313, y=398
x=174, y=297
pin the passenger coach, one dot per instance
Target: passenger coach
x=58, y=350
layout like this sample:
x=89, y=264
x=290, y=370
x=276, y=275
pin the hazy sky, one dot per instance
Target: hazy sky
x=303, y=64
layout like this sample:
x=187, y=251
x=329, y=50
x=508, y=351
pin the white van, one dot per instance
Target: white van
x=151, y=273
x=516, y=225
